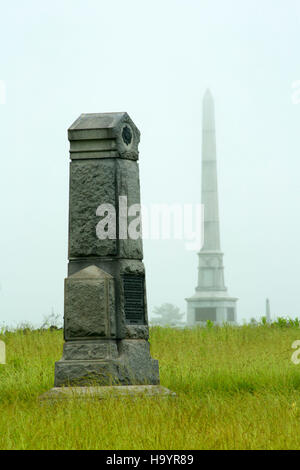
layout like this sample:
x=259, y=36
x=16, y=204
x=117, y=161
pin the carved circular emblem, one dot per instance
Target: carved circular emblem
x=127, y=135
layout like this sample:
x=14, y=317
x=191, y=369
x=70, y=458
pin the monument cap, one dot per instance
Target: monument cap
x=104, y=135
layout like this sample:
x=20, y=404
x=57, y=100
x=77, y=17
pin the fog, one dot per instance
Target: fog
x=154, y=60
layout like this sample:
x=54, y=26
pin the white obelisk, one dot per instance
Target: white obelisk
x=211, y=300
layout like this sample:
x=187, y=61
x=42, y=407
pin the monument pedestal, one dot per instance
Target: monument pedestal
x=216, y=307
x=94, y=353
x=84, y=364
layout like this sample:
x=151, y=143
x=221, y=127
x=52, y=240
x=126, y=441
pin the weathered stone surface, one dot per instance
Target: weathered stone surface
x=123, y=391
x=117, y=268
x=92, y=183
x=89, y=305
x=134, y=366
x=131, y=266
x=137, y=332
x=75, y=372
x=139, y=367
x=127, y=180
x=86, y=350
x=104, y=135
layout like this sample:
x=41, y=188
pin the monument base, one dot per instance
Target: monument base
x=121, y=391
x=131, y=365
x=215, y=306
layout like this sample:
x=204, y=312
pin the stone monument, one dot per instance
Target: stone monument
x=105, y=320
x=211, y=300
x=268, y=311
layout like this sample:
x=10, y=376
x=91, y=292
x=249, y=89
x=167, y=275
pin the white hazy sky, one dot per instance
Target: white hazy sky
x=153, y=59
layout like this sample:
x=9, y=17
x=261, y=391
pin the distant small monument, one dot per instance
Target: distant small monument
x=105, y=320
x=268, y=311
x=211, y=300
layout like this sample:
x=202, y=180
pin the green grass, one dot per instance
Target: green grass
x=237, y=388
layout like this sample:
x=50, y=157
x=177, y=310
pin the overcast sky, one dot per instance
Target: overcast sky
x=153, y=59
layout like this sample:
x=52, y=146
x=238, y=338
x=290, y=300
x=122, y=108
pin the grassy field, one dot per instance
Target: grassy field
x=237, y=388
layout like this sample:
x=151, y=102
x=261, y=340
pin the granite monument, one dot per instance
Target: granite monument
x=105, y=319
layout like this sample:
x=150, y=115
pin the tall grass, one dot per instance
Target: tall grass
x=236, y=387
